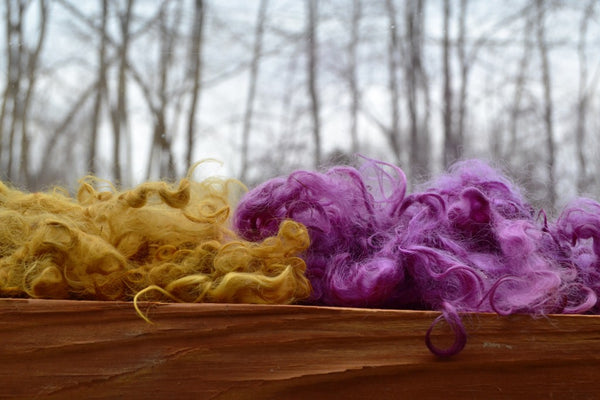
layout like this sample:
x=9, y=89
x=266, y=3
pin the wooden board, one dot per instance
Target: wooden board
x=97, y=350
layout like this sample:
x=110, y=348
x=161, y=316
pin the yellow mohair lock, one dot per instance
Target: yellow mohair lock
x=153, y=242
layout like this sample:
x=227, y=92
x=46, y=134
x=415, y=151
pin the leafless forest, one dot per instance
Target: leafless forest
x=132, y=90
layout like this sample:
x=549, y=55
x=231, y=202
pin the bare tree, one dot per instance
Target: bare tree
x=455, y=103
x=312, y=60
x=416, y=85
x=161, y=138
x=22, y=75
x=14, y=24
x=119, y=112
x=195, y=72
x=547, y=101
x=353, y=73
x=288, y=118
x=450, y=153
x=582, y=99
x=8, y=95
x=393, y=132
x=32, y=75
x=424, y=164
x=253, y=76
x=394, y=53
x=101, y=90
x=515, y=107
x=465, y=66
x=65, y=122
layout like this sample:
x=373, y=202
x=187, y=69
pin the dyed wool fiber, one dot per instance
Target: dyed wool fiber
x=466, y=241
x=172, y=242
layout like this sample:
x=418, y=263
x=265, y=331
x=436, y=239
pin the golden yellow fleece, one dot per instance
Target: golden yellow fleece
x=163, y=241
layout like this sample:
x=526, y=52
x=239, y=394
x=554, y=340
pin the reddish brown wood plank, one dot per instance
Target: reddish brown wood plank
x=83, y=349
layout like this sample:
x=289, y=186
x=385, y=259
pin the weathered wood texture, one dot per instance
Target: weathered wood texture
x=93, y=350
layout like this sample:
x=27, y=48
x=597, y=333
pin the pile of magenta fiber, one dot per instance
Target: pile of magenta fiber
x=465, y=242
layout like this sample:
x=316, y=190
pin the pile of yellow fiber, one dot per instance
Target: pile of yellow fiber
x=169, y=241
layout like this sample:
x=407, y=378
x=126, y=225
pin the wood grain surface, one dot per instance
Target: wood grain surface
x=103, y=350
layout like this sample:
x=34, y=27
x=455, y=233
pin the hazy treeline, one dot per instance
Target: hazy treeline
x=135, y=89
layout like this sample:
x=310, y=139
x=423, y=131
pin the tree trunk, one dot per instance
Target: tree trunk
x=548, y=104
x=32, y=71
x=167, y=167
x=582, y=102
x=119, y=114
x=353, y=74
x=393, y=133
x=515, y=112
x=450, y=152
x=312, y=60
x=465, y=65
x=424, y=136
x=9, y=88
x=15, y=71
x=196, y=62
x=416, y=88
x=256, y=56
x=101, y=91
x=161, y=145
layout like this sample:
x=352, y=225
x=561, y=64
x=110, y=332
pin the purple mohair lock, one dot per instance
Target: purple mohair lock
x=466, y=241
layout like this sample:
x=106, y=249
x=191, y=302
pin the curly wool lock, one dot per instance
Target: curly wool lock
x=111, y=245
x=466, y=241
